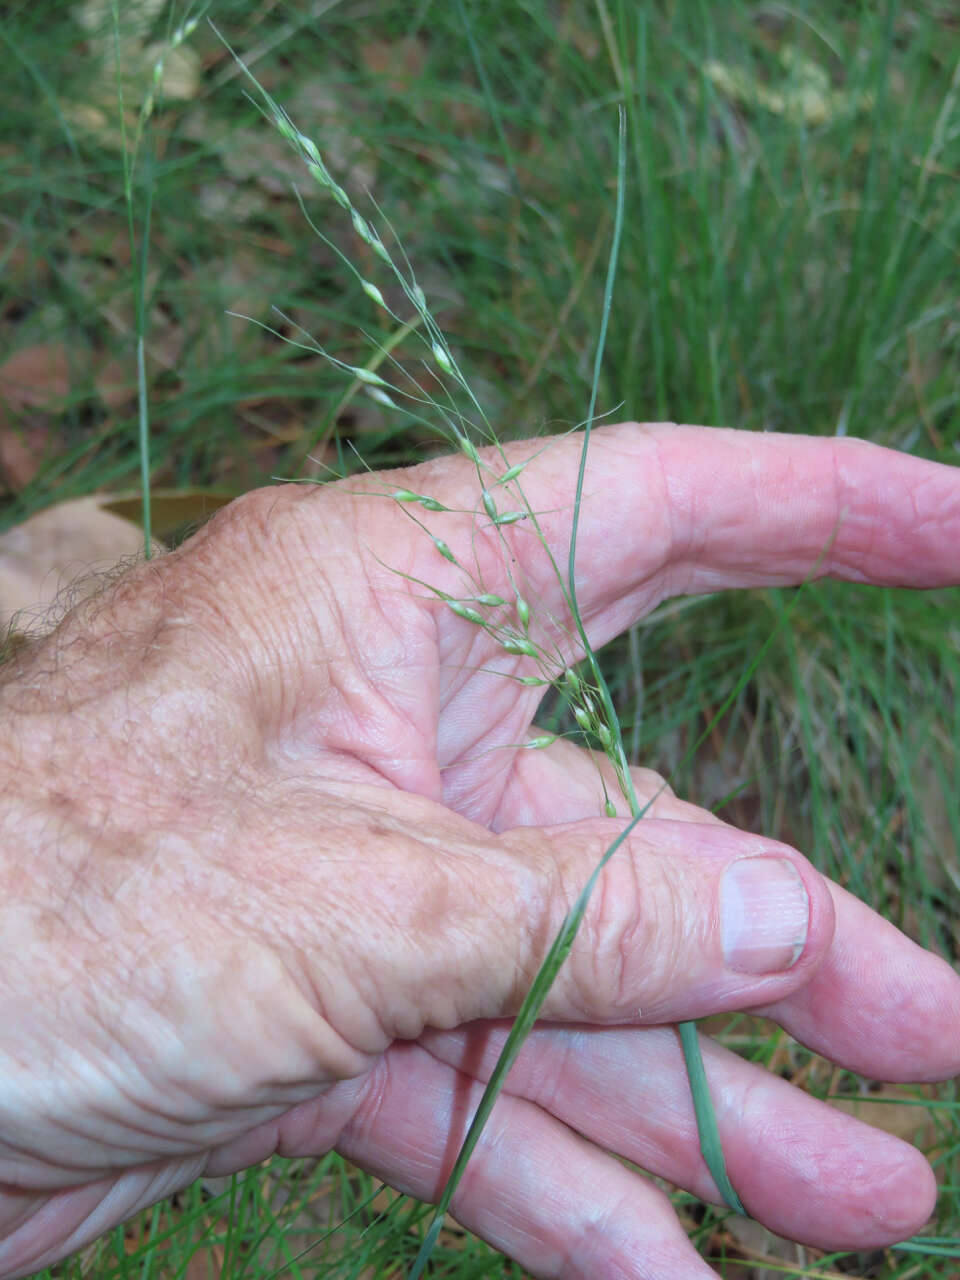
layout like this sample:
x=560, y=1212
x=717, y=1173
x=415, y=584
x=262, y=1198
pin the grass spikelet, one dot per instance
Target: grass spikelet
x=368, y=377
x=489, y=506
x=444, y=550
x=464, y=611
x=521, y=646
x=373, y=292
x=469, y=448
x=512, y=473
x=443, y=360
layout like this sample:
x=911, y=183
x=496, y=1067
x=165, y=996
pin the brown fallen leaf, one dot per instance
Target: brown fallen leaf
x=205, y=1264
x=35, y=376
x=62, y=549
x=116, y=383
x=21, y=452
x=400, y=61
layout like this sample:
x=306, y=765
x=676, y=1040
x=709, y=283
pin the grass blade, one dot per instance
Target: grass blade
x=527, y=1016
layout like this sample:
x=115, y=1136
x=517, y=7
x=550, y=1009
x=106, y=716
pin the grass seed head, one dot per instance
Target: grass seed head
x=464, y=611
x=572, y=683
x=440, y=356
x=444, y=550
x=367, y=377
x=373, y=292
x=512, y=473
x=521, y=646
x=469, y=448
x=381, y=397
x=489, y=506
x=582, y=717
x=407, y=495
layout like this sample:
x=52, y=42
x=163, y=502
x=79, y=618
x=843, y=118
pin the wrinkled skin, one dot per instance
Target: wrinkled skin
x=274, y=870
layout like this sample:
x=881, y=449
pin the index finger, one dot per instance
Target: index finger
x=679, y=510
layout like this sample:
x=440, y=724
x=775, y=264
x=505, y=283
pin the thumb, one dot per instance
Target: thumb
x=686, y=919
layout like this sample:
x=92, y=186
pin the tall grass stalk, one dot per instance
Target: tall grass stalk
x=130, y=153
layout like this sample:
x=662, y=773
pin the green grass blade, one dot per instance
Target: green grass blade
x=710, y=1145
x=523, y=1023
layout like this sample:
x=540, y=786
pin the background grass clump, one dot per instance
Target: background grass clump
x=789, y=262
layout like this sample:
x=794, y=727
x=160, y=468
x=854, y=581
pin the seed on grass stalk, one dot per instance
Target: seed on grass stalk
x=510, y=517
x=444, y=550
x=491, y=601
x=521, y=646
x=537, y=744
x=381, y=397
x=367, y=376
x=464, y=611
x=610, y=809
x=442, y=359
x=373, y=292
x=407, y=495
x=605, y=736
x=512, y=474
x=469, y=448
x=523, y=612
x=309, y=146
x=361, y=226
x=531, y=681
x=582, y=718
x=321, y=175
x=319, y=172
x=573, y=682
x=287, y=130
x=489, y=506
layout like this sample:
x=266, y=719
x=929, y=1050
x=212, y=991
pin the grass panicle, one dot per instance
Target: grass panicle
x=601, y=724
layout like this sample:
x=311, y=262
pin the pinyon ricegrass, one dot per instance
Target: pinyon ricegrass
x=456, y=413
x=740, y=153
x=507, y=622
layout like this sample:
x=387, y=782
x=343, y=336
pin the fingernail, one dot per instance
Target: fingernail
x=764, y=915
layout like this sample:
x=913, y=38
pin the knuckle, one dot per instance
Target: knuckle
x=630, y=950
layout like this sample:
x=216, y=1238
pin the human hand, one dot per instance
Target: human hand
x=269, y=852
